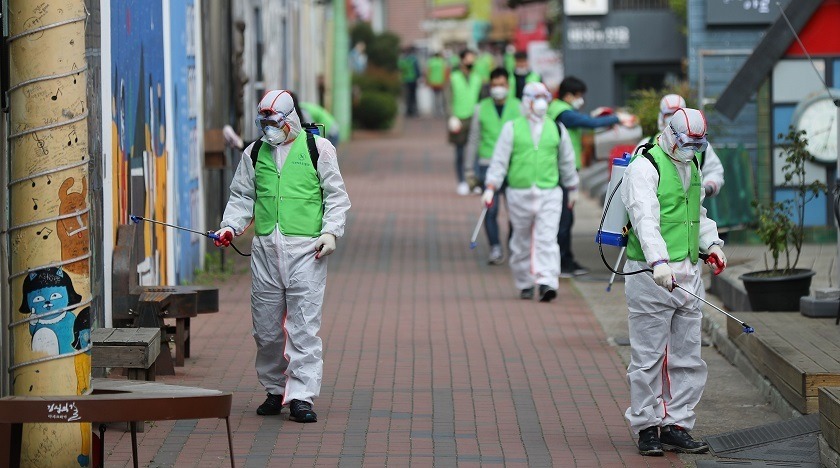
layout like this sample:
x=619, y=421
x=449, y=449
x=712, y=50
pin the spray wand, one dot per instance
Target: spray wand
x=209, y=234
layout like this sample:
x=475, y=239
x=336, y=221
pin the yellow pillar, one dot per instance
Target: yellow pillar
x=48, y=229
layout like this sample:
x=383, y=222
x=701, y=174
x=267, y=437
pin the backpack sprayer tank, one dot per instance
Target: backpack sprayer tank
x=614, y=218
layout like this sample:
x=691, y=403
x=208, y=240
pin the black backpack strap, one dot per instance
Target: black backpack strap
x=313, y=151
x=645, y=148
x=702, y=159
x=255, y=152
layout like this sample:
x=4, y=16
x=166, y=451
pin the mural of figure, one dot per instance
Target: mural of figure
x=81, y=340
x=45, y=291
x=73, y=232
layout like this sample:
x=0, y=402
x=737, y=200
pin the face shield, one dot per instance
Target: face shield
x=696, y=144
x=264, y=120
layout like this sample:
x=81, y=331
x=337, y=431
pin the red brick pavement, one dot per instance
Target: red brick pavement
x=430, y=359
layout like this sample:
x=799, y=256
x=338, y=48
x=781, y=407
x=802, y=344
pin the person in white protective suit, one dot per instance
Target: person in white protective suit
x=661, y=190
x=535, y=154
x=711, y=166
x=298, y=204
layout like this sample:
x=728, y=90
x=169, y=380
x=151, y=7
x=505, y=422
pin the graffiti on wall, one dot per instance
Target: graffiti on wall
x=139, y=127
x=186, y=153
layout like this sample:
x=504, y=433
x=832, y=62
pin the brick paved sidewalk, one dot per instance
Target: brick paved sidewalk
x=430, y=359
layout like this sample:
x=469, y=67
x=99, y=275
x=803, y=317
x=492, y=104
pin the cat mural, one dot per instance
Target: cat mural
x=45, y=291
x=73, y=232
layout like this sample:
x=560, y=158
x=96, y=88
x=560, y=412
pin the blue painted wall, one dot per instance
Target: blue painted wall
x=186, y=157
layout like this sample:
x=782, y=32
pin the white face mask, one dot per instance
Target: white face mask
x=539, y=107
x=577, y=103
x=498, y=93
x=274, y=136
x=684, y=154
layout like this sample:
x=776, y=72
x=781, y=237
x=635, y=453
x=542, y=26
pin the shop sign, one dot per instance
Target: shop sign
x=593, y=35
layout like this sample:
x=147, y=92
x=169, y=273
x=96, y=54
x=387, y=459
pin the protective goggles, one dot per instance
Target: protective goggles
x=535, y=96
x=685, y=141
x=277, y=119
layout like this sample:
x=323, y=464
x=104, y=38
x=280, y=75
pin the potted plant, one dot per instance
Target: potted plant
x=781, y=226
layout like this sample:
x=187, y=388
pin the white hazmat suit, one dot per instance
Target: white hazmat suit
x=666, y=373
x=534, y=212
x=288, y=281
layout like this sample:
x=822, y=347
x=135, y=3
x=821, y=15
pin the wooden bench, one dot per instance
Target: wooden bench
x=111, y=400
x=134, y=349
x=149, y=306
x=797, y=355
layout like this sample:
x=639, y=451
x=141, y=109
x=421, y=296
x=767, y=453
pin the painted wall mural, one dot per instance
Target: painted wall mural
x=187, y=147
x=139, y=112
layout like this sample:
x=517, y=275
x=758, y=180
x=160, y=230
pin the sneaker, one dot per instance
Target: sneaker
x=575, y=269
x=301, y=411
x=477, y=190
x=463, y=189
x=271, y=406
x=649, y=443
x=547, y=294
x=579, y=270
x=497, y=256
x=527, y=294
x=677, y=439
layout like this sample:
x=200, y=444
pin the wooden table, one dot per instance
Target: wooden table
x=112, y=401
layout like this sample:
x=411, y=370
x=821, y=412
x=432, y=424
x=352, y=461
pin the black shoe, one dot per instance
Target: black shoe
x=527, y=294
x=649, y=443
x=677, y=439
x=547, y=294
x=271, y=406
x=301, y=411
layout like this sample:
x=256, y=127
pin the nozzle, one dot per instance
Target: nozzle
x=213, y=235
x=609, y=287
x=748, y=329
x=135, y=219
x=473, y=245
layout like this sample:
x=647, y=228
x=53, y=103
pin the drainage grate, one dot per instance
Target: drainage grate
x=752, y=464
x=794, y=440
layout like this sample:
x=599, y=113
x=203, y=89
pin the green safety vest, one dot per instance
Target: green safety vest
x=290, y=199
x=531, y=77
x=491, y=123
x=408, y=70
x=483, y=66
x=436, y=75
x=679, y=211
x=319, y=115
x=557, y=107
x=465, y=92
x=510, y=62
x=532, y=164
